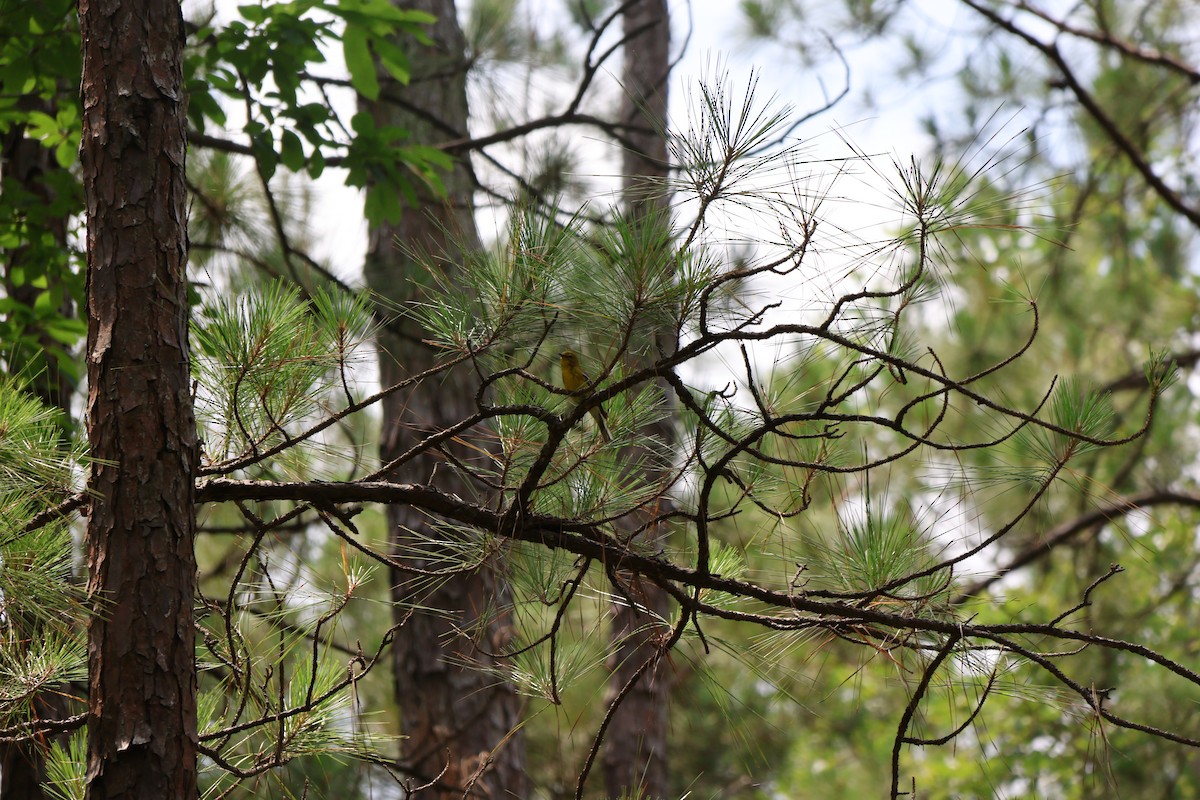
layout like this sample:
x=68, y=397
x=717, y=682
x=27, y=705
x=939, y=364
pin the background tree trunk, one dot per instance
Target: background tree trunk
x=142, y=678
x=459, y=722
x=635, y=751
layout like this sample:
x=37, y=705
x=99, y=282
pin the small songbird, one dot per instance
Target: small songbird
x=576, y=380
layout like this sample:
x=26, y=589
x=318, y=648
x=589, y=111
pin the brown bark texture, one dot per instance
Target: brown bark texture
x=634, y=759
x=460, y=723
x=646, y=162
x=141, y=520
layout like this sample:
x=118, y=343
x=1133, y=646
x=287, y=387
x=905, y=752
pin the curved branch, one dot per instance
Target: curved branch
x=1090, y=104
x=1071, y=528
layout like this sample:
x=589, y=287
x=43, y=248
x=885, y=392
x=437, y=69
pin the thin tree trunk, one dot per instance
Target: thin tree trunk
x=460, y=723
x=635, y=751
x=645, y=161
x=141, y=520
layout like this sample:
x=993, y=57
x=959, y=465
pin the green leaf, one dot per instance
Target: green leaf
x=47, y=301
x=65, y=330
x=202, y=106
x=291, y=151
x=65, y=153
x=362, y=123
x=255, y=14
x=316, y=164
x=429, y=157
x=382, y=205
x=263, y=145
x=41, y=125
x=394, y=60
x=359, y=61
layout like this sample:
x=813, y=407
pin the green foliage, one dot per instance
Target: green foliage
x=373, y=158
x=267, y=360
x=773, y=478
x=368, y=41
x=36, y=59
x=280, y=697
x=60, y=133
x=33, y=466
x=876, y=548
x=263, y=61
x=66, y=768
x=42, y=646
x=39, y=70
x=1119, y=290
x=307, y=729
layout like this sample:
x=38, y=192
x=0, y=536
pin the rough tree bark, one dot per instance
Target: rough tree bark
x=460, y=723
x=141, y=520
x=635, y=751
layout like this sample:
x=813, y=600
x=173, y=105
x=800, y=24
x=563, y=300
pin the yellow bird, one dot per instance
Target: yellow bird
x=575, y=380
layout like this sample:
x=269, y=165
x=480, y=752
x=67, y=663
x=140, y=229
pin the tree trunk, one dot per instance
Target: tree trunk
x=635, y=750
x=141, y=520
x=645, y=162
x=460, y=723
